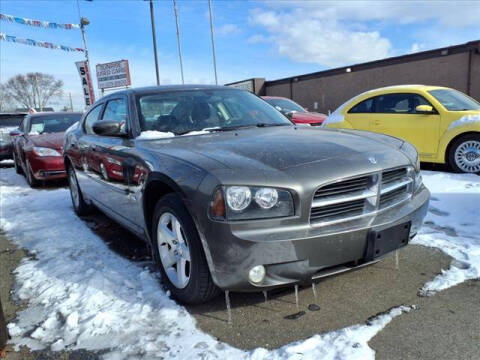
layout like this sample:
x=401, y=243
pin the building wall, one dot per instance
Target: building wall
x=330, y=91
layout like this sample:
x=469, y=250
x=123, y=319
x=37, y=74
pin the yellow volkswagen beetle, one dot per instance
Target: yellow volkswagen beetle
x=442, y=123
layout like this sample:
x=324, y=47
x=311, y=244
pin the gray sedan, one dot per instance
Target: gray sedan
x=230, y=195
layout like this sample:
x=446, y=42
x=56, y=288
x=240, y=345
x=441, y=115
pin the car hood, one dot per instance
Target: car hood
x=277, y=148
x=308, y=117
x=53, y=141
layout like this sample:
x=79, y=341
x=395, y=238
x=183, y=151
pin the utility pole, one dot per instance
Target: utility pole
x=178, y=39
x=154, y=36
x=71, y=103
x=213, y=41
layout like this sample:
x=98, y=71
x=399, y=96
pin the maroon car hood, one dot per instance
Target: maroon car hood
x=308, y=118
x=54, y=141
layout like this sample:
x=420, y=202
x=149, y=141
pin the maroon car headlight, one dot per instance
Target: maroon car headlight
x=43, y=151
x=251, y=202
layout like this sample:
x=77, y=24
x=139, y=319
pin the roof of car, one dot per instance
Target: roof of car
x=274, y=97
x=151, y=89
x=48, y=113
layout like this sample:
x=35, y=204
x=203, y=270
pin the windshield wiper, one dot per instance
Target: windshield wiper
x=269, y=125
x=232, y=128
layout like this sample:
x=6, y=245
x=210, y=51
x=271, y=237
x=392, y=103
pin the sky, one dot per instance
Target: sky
x=269, y=39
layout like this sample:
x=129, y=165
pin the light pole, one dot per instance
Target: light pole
x=178, y=39
x=154, y=36
x=213, y=41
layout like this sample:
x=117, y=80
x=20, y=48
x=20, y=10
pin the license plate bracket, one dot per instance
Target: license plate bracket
x=384, y=241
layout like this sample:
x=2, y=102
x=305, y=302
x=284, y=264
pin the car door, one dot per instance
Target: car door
x=112, y=167
x=360, y=115
x=21, y=140
x=395, y=114
x=80, y=153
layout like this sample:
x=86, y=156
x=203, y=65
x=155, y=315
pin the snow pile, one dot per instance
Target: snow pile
x=153, y=134
x=465, y=120
x=82, y=295
x=453, y=226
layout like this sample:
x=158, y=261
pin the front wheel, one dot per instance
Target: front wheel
x=79, y=204
x=464, y=155
x=179, y=254
x=30, y=177
x=18, y=168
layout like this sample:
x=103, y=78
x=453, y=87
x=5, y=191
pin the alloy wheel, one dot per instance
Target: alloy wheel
x=173, y=250
x=467, y=156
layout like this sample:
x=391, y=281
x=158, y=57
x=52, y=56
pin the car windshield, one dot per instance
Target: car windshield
x=454, y=100
x=285, y=105
x=52, y=123
x=181, y=112
x=10, y=120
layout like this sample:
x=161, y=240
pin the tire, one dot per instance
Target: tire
x=80, y=207
x=464, y=154
x=30, y=178
x=18, y=168
x=172, y=249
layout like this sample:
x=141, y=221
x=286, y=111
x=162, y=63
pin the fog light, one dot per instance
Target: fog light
x=256, y=274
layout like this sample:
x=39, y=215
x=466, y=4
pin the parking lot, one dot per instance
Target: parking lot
x=86, y=289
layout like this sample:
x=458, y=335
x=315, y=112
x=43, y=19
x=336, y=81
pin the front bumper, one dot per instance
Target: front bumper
x=48, y=168
x=295, y=254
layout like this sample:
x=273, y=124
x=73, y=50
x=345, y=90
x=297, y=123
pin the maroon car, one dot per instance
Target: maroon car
x=295, y=112
x=38, y=145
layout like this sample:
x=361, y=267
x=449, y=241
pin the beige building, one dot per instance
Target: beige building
x=456, y=66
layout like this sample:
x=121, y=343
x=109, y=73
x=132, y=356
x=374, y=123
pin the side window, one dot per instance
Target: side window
x=116, y=110
x=419, y=100
x=91, y=118
x=22, y=124
x=366, y=106
x=394, y=104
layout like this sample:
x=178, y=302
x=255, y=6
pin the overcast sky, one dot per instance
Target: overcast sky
x=270, y=39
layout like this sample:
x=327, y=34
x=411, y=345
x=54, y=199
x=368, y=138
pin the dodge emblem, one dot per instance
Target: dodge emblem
x=372, y=160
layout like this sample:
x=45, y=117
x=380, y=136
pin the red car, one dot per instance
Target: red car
x=295, y=112
x=38, y=145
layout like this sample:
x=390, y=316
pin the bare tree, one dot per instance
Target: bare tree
x=6, y=101
x=33, y=90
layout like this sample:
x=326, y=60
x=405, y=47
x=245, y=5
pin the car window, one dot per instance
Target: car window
x=180, y=112
x=116, y=110
x=454, y=100
x=285, y=104
x=52, y=123
x=92, y=118
x=399, y=103
x=366, y=106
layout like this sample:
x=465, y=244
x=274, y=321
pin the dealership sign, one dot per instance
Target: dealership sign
x=84, y=72
x=113, y=74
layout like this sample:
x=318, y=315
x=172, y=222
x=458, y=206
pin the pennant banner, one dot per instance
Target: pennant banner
x=31, y=42
x=38, y=23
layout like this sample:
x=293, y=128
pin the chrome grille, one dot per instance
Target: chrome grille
x=349, y=208
x=351, y=198
x=342, y=188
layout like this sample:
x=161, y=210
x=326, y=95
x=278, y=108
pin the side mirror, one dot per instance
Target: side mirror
x=424, y=109
x=108, y=128
x=16, y=132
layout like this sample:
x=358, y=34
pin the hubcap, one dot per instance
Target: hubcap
x=74, y=188
x=173, y=250
x=467, y=156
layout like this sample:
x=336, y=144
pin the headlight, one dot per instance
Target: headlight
x=43, y=151
x=251, y=202
x=238, y=197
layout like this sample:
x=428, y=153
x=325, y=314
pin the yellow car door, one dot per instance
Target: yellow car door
x=399, y=115
x=360, y=115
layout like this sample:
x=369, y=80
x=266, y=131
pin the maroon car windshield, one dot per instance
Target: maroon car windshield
x=53, y=123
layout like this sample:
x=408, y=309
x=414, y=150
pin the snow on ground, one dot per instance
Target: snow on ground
x=453, y=226
x=82, y=295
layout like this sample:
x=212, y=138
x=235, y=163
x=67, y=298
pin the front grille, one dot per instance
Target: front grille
x=342, y=188
x=393, y=196
x=391, y=176
x=332, y=212
x=363, y=195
